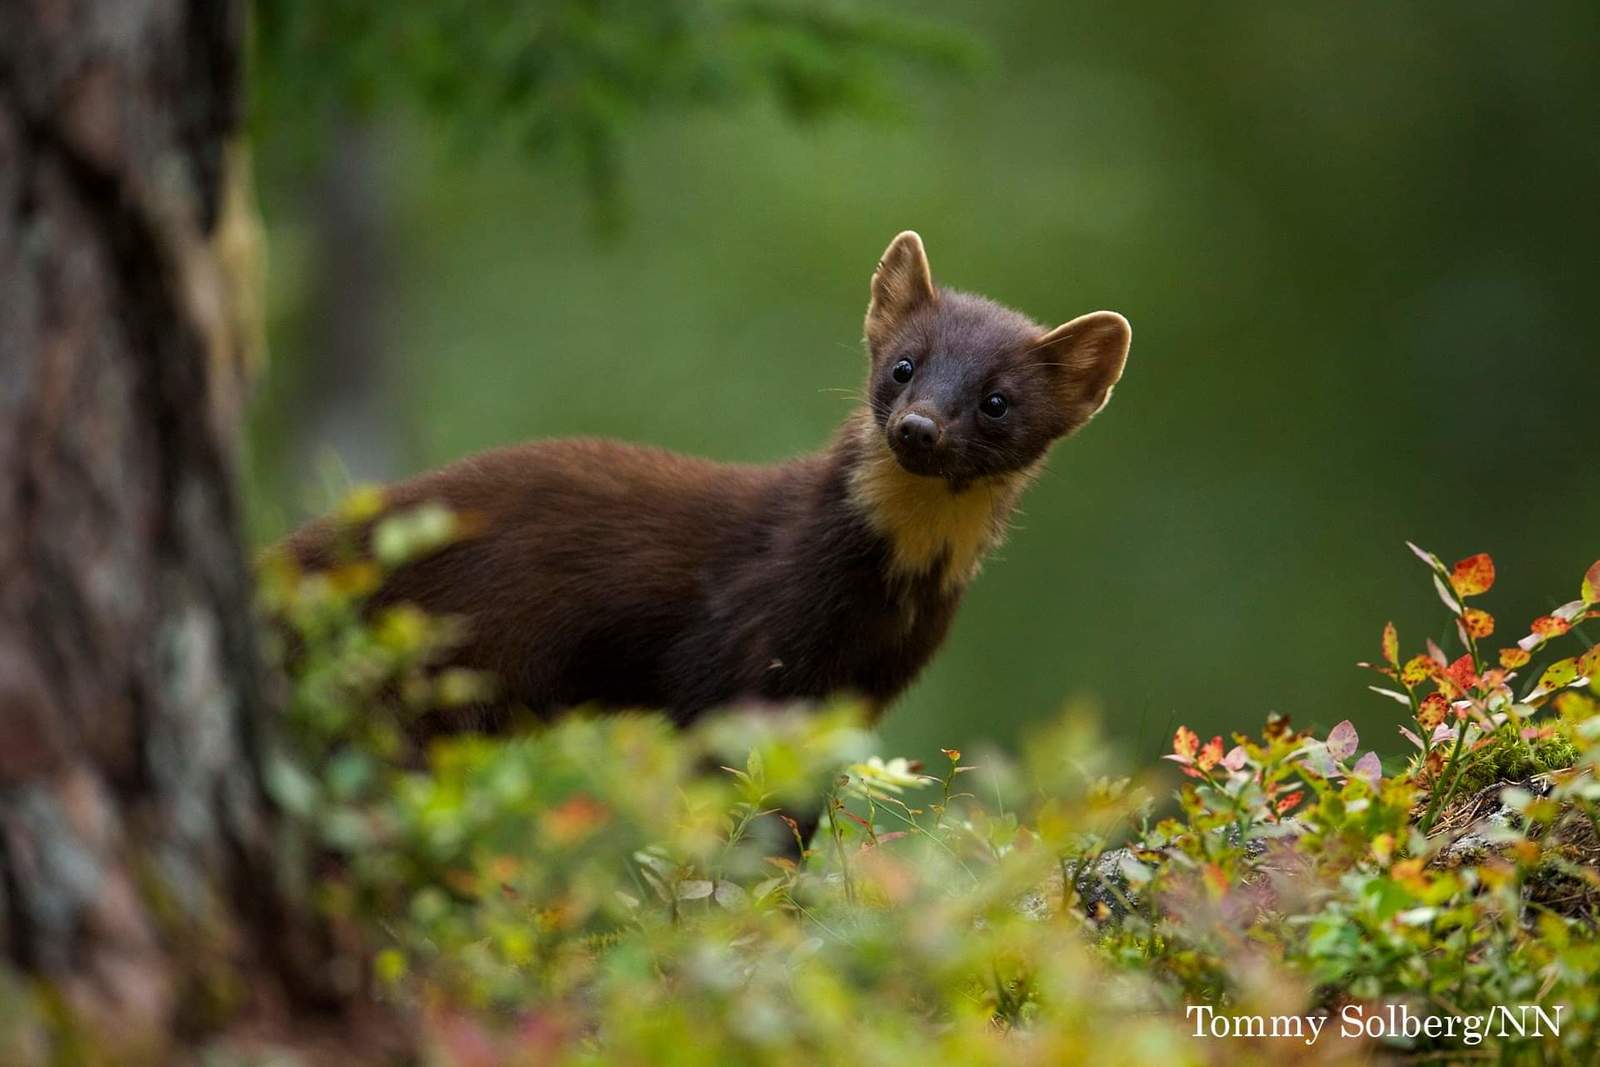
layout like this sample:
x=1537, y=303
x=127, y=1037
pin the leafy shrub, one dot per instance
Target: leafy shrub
x=609, y=890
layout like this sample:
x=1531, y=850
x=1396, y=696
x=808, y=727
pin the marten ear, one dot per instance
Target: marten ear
x=1087, y=356
x=901, y=284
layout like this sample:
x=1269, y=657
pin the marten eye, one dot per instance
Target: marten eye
x=994, y=405
x=902, y=371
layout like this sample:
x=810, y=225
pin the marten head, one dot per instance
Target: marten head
x=963, y=389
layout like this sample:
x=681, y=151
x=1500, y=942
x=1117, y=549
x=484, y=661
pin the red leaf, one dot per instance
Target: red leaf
x=1591, y=584
x=1473, y=575
x=1548, y=626
x=853, y=817
x=1211, y=755
x=1289, y=801
x=1462, y=674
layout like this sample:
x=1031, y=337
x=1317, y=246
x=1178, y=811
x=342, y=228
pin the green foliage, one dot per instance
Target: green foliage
x=569, y=77
x=609, y=890
x=1514, y=763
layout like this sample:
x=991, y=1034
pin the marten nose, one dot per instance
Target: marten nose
x=918, y=430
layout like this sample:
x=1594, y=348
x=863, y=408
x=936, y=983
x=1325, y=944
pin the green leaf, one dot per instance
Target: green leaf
x=1561, y=673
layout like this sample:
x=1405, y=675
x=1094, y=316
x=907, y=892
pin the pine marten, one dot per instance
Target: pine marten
x=619, y=575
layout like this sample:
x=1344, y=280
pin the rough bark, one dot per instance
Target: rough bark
x=137, y=913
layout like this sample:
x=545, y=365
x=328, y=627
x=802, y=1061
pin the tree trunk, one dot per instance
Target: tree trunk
x=138, y=916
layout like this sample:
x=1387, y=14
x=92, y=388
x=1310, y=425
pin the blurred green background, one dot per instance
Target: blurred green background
x=1357, y=242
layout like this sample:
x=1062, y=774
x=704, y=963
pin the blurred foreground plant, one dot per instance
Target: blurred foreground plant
x=611, y=890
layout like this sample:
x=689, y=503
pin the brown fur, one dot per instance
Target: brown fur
x=621, y=575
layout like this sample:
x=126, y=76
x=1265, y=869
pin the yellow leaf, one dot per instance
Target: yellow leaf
x=1589, y=664
x=362, y=503
x=1417, y=670
x=1561, y=673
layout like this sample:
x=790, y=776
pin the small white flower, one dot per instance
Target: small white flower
x=893, y=776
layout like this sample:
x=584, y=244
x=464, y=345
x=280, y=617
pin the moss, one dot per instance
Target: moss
x=1516, y=763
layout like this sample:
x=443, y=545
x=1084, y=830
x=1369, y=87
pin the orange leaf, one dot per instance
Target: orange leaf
x=575, y=818
x=1432, y=710
x=1591, y=584
x=1391, y=644
x=1461, y=673
x=1473, y=575
x=1211, y=755
x=1185, y=742
x=1418, y=669
x=1288, y=802
x=1479, y=623
x=1548, y=626
x=1512, y=658
x=1408, y=872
